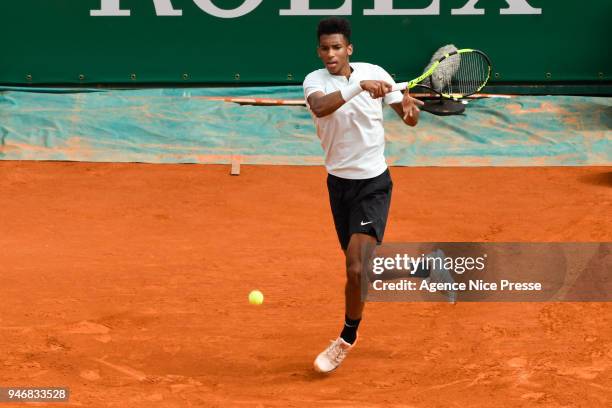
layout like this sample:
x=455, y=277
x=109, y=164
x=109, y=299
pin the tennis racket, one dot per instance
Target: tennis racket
x=456, y=75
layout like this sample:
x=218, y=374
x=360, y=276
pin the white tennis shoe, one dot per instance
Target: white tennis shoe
x=332, y=356
x=442, y=275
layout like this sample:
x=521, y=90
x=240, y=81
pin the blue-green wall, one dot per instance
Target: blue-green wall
x=57, y=41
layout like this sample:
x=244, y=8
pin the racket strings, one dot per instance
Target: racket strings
x=441, y=79
x=471, y=74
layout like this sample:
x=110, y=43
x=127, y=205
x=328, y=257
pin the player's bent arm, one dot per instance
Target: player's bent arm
x=407, y=119
x=322, y=105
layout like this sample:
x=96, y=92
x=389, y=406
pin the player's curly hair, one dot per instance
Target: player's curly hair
x=335, y=25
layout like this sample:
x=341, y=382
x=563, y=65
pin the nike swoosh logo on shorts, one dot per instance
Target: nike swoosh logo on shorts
x=365, y=223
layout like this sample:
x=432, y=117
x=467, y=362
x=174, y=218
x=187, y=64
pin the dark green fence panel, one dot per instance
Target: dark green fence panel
x=60, y=41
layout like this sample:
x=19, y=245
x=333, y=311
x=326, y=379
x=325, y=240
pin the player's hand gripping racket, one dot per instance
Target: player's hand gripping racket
x=456, y=75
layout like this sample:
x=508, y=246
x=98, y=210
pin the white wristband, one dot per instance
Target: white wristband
x=351, y=91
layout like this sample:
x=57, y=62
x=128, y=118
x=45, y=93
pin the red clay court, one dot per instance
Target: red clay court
x=128, y=284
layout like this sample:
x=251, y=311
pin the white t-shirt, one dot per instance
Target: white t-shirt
x=352, y=137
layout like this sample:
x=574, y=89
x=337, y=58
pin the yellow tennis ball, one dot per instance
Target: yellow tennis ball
x=256, y=297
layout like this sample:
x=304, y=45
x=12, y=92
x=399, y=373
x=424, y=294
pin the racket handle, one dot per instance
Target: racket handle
x=399, y=87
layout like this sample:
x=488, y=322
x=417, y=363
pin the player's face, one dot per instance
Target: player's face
x=334, y=50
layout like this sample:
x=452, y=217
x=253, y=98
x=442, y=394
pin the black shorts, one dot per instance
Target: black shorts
x=360, y=206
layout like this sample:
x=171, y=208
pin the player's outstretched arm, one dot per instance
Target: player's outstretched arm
x=322, y=105
x=408, y=109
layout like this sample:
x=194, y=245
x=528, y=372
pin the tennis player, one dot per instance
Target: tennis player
x=346, y=101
